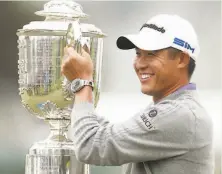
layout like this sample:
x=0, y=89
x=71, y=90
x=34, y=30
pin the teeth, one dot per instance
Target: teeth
x=144, y=76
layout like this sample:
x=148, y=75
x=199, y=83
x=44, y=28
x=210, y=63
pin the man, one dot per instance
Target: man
x=173, y=135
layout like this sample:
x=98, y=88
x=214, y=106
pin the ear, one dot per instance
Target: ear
x=184, y=60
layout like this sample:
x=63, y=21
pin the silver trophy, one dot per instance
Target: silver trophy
x=44, y=91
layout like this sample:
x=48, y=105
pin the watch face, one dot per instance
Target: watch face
x=75, y=85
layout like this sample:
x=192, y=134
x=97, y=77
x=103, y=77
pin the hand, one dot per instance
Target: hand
x=77, y=66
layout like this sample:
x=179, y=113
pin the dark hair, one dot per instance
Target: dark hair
x=191, y=66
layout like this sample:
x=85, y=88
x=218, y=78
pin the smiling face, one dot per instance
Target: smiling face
x=158, y=72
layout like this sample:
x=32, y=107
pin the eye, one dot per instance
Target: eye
x=138, y=53
x=149, y=54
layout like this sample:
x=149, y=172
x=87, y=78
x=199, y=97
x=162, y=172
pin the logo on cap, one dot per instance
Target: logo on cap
x=182, y=43
x=153, y=26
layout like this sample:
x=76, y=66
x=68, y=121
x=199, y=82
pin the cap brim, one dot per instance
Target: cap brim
x=148, y=41
x=126, y=42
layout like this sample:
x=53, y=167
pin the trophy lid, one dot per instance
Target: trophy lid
x=59, y=14
x=62, y=9
x=58, y=28
x=51, y=28
x=47, y=25
x=91, y=30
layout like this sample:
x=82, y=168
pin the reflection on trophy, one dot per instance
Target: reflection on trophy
x=43, y=89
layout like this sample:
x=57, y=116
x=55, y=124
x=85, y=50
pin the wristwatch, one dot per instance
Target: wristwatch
x=78, y=84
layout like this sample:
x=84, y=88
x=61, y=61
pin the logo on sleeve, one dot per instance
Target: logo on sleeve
x=147, y=121
x=153, y=113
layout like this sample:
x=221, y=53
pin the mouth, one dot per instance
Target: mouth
x=145, y=77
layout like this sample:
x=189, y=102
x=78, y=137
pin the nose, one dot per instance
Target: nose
x=140, y=63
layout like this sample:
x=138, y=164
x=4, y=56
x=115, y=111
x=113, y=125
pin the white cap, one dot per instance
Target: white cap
x=163, y=31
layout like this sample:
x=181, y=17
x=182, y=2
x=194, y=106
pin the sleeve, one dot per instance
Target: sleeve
x=163, y=131
x=102, y=120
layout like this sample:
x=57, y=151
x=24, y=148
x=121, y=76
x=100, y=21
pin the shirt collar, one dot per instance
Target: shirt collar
x=189, y=88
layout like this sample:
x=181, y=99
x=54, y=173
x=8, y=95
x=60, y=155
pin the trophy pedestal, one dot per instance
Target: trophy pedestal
x=55, y=155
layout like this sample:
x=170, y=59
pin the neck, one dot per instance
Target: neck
x=170, y=90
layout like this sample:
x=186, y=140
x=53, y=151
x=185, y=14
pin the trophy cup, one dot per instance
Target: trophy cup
x=44, y=91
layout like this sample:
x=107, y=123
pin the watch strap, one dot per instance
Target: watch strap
x=88, y=83
x=81, y=83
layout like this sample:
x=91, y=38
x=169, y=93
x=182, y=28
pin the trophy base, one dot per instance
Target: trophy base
x=54, y=158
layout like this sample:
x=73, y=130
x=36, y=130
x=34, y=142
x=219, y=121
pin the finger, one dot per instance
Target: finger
x=65, y=50
x=85, y=53
x=65, y=61
x=86, y=49
x=73, y=54
x=71, y=51
x=64, y=65
x=68, y=63
x=66, y=54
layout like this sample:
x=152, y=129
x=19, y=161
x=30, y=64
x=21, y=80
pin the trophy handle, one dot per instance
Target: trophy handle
x=73, y=36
